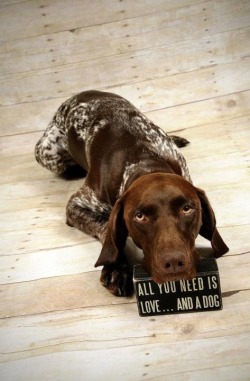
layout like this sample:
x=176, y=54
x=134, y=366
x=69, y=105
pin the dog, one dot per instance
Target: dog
x=137, y=184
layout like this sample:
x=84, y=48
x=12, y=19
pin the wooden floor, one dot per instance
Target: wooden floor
x=186, y=65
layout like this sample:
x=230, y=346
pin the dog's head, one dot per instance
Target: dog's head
x=163, y=214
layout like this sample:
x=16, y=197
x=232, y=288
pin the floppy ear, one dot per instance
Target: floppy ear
x=116, y=236
x=208, y=229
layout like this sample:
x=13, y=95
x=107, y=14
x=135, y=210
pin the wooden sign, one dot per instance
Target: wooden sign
x=202, y=293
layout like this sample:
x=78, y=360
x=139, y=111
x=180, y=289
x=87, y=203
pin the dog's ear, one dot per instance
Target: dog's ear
x=116, y=237
x=208, y=228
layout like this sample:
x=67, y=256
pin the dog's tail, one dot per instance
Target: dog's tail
x=180, y=142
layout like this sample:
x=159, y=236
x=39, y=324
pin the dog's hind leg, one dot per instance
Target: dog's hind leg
x=51, y=150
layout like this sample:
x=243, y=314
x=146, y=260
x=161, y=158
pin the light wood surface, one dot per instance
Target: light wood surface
x=186, y=65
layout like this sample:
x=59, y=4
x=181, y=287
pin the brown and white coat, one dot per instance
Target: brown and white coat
x=123, y=153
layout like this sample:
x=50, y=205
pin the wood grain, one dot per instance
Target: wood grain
x=185, y=64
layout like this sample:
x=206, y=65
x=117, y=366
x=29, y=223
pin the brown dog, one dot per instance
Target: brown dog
x=137, y=185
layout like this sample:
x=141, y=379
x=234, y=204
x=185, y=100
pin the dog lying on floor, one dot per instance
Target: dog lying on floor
x=137, y=185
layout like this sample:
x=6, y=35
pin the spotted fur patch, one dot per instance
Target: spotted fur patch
x=84, y=210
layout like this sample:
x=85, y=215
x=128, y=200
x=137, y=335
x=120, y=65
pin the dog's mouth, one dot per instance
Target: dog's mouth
x=161, y=277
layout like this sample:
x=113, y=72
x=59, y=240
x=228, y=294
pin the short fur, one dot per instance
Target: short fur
x=131, y=164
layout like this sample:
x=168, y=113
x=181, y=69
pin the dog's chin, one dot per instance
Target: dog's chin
x=161, y=278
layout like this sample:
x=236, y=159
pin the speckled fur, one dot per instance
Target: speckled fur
x=87, y=213
x=52, y=149
x=84, y=210
x=87, y=118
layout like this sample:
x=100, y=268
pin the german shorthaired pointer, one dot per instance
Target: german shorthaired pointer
x=137, y=185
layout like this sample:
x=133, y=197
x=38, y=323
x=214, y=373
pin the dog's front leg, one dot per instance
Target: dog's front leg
x=87, y=214
x=117, y=279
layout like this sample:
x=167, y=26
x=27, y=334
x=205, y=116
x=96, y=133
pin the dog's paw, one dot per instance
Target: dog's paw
x=117, y=279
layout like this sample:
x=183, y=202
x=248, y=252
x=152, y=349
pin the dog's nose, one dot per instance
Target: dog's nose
x=174, y=262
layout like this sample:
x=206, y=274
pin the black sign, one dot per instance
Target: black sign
x=202, y=293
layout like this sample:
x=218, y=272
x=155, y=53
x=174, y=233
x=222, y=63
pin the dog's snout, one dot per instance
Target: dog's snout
x=174, y=262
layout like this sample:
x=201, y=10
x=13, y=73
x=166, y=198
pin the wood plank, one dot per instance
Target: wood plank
x=46, y=17
x=38, y=222
x=56, y=321
x=205, y=174
x=150, y=359
x=235, y=236
x=31, y=118
x=5, y=3
x=186, y=88
x=229, y=373
x=32, y=214
x=44, y=192
x=204, y=112
x=111, y=326
x=45, y=201
x=28, y=117
x=8, y=2
x=173, y=90
x=22, y=167
x=141, y=38
x=136, y=363
x=228, y=136
x=31, y=238
x=223, y=139
x=56, y=293
x=84, y=290
x=225, y=136
x=50, y=259
x=49, y=263
x=140, y=361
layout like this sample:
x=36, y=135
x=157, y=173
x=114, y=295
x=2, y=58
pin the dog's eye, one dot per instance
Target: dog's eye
x=187, y=210
x=140, y=217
